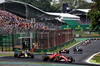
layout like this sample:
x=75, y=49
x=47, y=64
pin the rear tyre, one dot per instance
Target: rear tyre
x=32, y=56
x=15, y=55
x=67, y=51
x=45, y=58
x=80, y=50
x=21, y=54
x=60, y=52
x=71, y=59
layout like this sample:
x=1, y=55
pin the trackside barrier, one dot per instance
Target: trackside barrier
x=41, y=38
x=50, y=38
x=53, y=48
x=88, y=37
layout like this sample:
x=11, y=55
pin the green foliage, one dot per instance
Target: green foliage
x=97, y=58
x=58, y=48
x=99, y=33
x=65, y=46
x=94, y=15
x=45, y=4
x=6, y=54
x=74, y=4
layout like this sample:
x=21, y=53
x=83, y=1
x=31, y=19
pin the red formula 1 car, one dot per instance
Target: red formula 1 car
x=64, y=51
x=57, y=57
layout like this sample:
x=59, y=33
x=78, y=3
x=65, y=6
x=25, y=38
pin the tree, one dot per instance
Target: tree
x=42, y=4
x=46, y=6
x=94, y=15
x=74, y=4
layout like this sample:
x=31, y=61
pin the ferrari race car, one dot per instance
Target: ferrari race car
x=57, y=57
x=24, y=54
x=77, y=50
x=64, y=51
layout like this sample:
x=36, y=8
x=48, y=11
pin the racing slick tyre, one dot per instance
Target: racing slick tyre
x=67, y=51
x=71, y=59
x=80, y=50
x=45, y=58
x=15, y=55
x=21, y=54
x=60, y=51
x=52, y=59
x=32, y=56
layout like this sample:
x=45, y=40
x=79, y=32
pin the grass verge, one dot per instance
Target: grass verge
x=66, y=46
x=83, y=33
x=6, y=54
x=57, y=50
x=96, y=59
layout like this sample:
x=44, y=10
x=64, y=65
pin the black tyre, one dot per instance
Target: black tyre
x=67, y=51
x=32, y=56
x=15, y=55
x=71, y=59
x=60, y=51
x=45, y=58
x=20, y=54
x=52, y=59
x=80, y=50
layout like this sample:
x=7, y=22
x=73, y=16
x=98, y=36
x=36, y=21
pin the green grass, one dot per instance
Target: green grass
x=66, y=46
x=83, y=33
x=96, y=58
x=59, y=48
x=6, y=54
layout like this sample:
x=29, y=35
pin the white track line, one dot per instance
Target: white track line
x=88, y=60
x=75, y=44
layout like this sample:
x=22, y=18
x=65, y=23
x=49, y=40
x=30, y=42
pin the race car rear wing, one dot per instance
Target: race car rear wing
x=49, y=53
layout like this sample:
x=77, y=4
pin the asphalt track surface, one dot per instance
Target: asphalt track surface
x=80, y=59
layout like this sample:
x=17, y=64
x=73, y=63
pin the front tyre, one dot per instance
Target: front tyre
x=70, y=59
x=80, y=50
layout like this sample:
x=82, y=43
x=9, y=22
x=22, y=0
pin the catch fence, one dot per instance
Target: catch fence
x=43, y=39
